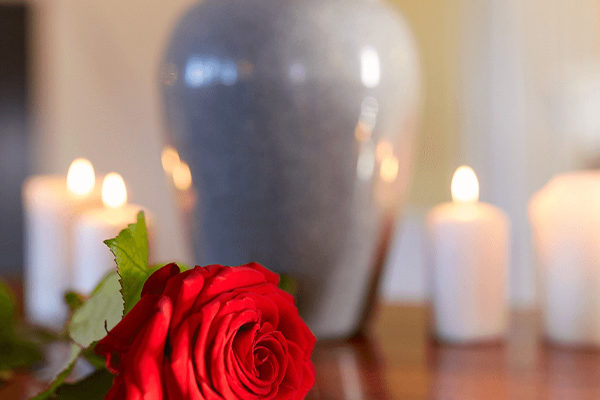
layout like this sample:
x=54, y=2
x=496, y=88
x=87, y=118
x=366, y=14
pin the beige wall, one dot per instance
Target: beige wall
x=96, y=95
x=436, y=28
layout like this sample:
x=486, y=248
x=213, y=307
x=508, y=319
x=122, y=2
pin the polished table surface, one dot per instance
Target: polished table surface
x=401, y=361
x=397, y=359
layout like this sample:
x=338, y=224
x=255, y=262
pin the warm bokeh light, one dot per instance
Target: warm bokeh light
x=389, y=169
x=169, y=159
x=81, y=177
x=362, y=132
x=465, y=186
x=114, y=191
x=383, y=150
x=182, y=176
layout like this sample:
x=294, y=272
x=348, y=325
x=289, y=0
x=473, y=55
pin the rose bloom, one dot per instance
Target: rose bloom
x=211, y=332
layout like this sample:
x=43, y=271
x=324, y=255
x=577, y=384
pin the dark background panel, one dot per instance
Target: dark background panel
x=13, y=134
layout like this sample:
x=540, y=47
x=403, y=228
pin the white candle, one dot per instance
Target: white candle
x=51, y=204
x=469, y=255
x=565, y=217
x=92, y=259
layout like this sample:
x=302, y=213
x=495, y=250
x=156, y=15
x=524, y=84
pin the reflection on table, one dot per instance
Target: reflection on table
x=399, y=360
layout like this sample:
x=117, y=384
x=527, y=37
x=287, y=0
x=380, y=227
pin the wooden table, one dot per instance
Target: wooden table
x=398, y=360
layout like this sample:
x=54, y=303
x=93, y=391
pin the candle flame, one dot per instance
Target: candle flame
x=114, y=191
x=81, y=177
x=182, y=176
x=465, y=186
x=169, y=159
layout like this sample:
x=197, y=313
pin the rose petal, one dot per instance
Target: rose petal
x=118, y=390
x=243, y=346
x=300, y=376
x=308, y=379
x=119, y=339
x=270, y=364
x=269, y=312
x=218, y=374
x=232, y=316
x=230, y=278
x=179, y=373
x=290, y=323
x=156, y=283
x=269, y=275
x=182, y=374
x=184, y=290
x=201, y=346
x=143, y=362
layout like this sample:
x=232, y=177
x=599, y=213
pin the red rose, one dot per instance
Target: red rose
x=211, y=332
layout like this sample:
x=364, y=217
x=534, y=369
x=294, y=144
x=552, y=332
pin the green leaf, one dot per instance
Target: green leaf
x=7, y=313
x=96, y=360
x=18, y=354
x=92, y=387
x=60, y=378
x=183, y=267
x=288, y=284
x=101, y=312
x=130, y=249
x=15, y=350
x=74, y=300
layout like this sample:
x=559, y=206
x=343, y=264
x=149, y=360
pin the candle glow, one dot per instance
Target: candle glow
x=389, y=169
x=114, y=191
x=81, y=177
x=182, y=176
x=383, y=150
x=465, y=186
x=169, y=159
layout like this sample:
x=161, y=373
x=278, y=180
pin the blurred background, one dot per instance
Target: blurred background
x=509, y=87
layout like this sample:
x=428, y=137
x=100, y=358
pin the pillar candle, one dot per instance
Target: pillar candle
x=92, y=259
x=565, y=217
x=469, y=251
x=51, y=204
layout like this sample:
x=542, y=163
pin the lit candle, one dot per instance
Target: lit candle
x=469, y=255
x=51, y=204
x=91, y=258
x=565, y=217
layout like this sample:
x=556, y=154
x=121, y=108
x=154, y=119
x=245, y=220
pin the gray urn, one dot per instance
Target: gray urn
x=296, y=118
